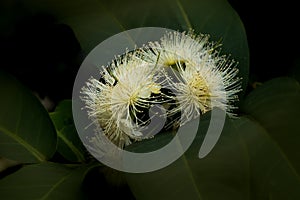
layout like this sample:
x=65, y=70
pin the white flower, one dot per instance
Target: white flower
x=183, y=72
x=198, y=89
x=114, y=101
x=200, y=77
x=177, y=47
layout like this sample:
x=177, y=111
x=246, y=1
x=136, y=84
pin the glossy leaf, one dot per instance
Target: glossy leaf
x=26, y=131
x=273, y=176
x=222, y=174
x=44, y=181
x=276, y=106
x=69, y=143
x=246, y=163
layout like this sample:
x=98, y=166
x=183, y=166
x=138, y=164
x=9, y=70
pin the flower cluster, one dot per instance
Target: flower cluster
x=183, y=72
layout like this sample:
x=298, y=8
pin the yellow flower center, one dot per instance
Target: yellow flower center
x=199, y=89
x=173, y=63
x=133, y=98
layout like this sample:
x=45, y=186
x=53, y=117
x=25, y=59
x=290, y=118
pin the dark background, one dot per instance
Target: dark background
x=45, y=55
x=273, y=36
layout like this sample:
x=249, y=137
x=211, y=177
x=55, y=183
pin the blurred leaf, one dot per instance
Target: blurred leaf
x=222, y=174
x=26, y=131
x=273, y=176
x=69, y=143
x=96, y=20
x=44, y=181
x=276, y=106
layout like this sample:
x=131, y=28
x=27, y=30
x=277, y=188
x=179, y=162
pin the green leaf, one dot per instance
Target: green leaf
x=44, y=181
x=26, y=131
x=273, y=176
x=96, y=20
x=222, y=174
x=69, y=143
x=275, y=105
x=246, y=163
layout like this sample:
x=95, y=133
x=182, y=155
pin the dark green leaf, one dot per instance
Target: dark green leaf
x=69, y=143
x=95, y=21
x=222, y=174
x=246, y=163
x=26, y=131
x=276, y=106
x=44, y=181
x=272, y=174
